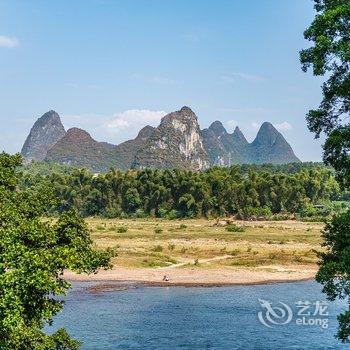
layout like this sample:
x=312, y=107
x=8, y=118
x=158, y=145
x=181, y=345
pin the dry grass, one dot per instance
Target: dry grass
x=160, y=243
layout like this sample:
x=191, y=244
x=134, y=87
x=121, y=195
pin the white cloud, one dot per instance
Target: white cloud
x=231, y=124
x=162, y=80
x=118, y=124
x=155, y=79
x=234, y=77
x=284, y=126
x=116, y=128
x=8, y=42
x=255, y=125
x=133, y=119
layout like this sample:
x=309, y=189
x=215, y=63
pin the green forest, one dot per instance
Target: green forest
x=303, y=190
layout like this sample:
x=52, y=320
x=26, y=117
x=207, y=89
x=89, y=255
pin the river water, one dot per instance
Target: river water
x=292, y=316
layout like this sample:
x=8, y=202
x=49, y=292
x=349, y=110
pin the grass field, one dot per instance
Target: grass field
x=152, y=243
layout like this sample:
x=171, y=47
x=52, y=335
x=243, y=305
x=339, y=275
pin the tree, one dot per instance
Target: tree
x=33, y=255
x=330, y=56
x=334, y=270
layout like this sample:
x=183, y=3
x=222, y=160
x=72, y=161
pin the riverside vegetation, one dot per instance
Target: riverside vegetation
x=306, y=191
x=33, y=254
x=329, y=56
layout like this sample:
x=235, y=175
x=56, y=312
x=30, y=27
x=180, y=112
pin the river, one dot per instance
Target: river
x=292, y=316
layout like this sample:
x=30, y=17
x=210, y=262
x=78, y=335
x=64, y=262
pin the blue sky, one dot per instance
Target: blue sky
x=112, y=67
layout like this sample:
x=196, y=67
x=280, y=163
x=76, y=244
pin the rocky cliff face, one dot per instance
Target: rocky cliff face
x=225, y=149
x=45, y=133
x=77, y=148
x=176, y=143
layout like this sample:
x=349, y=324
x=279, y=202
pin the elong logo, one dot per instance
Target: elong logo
x=309, y=314
x=274, y=315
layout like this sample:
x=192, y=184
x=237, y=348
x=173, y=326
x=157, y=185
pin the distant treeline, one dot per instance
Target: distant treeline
x=245, y=191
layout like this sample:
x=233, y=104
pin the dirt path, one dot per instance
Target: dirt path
x=200, y=261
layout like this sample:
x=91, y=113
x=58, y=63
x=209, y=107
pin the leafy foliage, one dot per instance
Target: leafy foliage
x=335, y=266
x=330, y=56
x=245, y=191
x=235, y=228
x=33, y=256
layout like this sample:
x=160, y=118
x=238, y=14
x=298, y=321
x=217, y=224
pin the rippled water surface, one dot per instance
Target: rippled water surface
x=196, y=318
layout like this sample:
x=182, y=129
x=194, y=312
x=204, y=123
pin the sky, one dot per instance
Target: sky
x=112, y=67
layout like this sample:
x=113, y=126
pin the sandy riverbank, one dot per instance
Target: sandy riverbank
x=191, y=277
x=197, y=253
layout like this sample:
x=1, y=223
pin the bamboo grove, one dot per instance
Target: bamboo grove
x=244, y=191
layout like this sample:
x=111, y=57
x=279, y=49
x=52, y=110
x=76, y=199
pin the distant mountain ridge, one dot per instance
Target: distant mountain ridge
x=225, y=149
x=178, y=142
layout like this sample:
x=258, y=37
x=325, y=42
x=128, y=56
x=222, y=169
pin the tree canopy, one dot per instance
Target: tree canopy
x=330, y=56
x=33, y=255
x=245, y=191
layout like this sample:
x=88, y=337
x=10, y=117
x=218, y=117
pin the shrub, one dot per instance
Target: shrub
x=172, y=214
x=249, y=212
x=158, y=230
x=235, y=228
x=168, y=214
x=140, y=213
x=111, y=213
x=162, y=212
x=122, y=229
x=297, y=258
x=158, y=249
x=235, y=252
